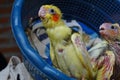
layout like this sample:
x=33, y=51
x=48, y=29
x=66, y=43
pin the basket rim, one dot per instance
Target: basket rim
x=27, y=51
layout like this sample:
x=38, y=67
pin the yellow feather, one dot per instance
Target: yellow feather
x=65, y=56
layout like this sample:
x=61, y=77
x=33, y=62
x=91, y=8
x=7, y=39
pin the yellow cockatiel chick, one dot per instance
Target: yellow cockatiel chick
x=67, y=50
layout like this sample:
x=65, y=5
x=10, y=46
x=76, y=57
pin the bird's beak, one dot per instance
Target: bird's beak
x=101, y=30
x=42, y=12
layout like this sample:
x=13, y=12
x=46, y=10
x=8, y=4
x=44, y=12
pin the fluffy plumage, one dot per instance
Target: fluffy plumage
x=111, y=33
x=103, y=57
x=67, y=50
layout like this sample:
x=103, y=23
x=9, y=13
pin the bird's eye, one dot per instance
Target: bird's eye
x=52, y=11
x=112, y=27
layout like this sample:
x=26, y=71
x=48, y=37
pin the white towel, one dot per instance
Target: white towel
x=15, y=70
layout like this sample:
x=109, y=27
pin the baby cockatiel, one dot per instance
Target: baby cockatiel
x=67, y=50
x=111, y=33
x=102, y=57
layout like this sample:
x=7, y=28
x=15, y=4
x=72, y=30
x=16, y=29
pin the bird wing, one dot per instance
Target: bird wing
x=82, y=53
x=105, y=66
x=53, y=56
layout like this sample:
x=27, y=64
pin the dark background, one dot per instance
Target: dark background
x=8, y=46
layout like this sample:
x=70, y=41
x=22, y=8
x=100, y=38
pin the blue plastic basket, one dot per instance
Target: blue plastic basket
x=90, y=12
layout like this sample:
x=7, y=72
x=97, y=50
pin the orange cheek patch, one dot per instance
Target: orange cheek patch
x=55, y=17
x=112, y=32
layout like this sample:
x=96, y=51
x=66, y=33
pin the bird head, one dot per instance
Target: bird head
x=50, y=15
x=110, y=31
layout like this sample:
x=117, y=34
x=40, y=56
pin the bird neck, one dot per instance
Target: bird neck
x=59, y=32
x=52, y=24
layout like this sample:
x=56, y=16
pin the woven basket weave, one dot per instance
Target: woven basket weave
x=90, y=12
